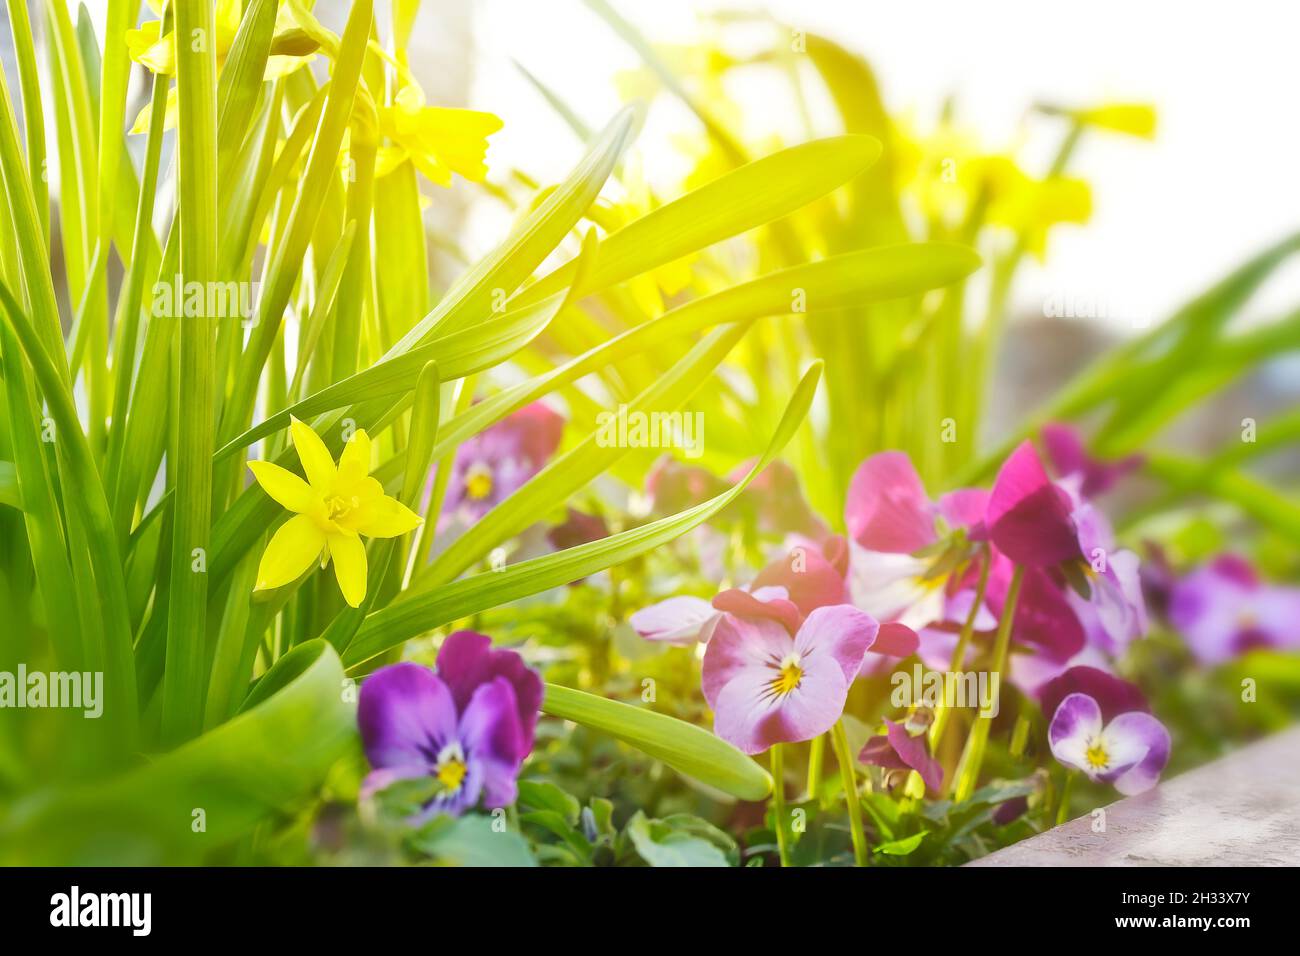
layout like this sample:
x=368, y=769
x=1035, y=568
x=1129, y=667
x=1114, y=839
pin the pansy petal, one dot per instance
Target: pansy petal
x=1077, y=721
x=741, y=645
x=842, y=633
x=317, y=462
x=887, y=508
x=744, y=604
x=965, y=507
x=890, y=587
x=406, y=715
x=674, y=620
x=1028, y=516
x=1114, y=696
x=490, y=730
x=349, y=555
x=752, y=716
x=916, y=754
x=808, y=578
x=467, y=660
x=1144, y=731
x=895, y=640
x=284, y=487
x=294, y=548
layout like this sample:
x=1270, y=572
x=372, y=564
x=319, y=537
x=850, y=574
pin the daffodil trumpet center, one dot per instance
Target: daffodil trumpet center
x=338, y=506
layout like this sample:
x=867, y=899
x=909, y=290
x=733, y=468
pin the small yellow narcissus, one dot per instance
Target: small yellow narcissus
x=332, y=509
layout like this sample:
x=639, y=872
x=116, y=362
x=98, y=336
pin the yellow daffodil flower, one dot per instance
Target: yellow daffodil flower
x=649, y=289
x=297, y=35
x=1131, y=119
x=332, y=509
x=438, y=140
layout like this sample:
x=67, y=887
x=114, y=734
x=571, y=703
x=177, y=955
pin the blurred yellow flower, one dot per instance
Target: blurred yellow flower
x=1135, y=119
x=649, y=289
x=297, y=36
x=438, y=140
x=332, y=509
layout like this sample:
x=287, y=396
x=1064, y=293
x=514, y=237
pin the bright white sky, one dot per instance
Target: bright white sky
x=1222, y=179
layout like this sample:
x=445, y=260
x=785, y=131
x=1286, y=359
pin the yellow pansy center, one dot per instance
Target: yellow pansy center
x=478, y=482
x=789, y=674
x=450, y=769
x=1096, y=754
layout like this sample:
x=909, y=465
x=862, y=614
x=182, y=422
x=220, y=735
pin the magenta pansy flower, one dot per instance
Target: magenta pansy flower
x=494, y=464
x=768, y=686
x=1128, y=752
x=1223, y=609
x=899, y=750
x=1069, y=457
x=889, y=517
x=1029, y=517
x=468, y=726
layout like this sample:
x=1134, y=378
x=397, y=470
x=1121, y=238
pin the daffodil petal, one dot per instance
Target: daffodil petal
x=382, y=517
x=316, y=459
x=293, y=549
x=349, y=556
x=286, y=488
x=354, y=463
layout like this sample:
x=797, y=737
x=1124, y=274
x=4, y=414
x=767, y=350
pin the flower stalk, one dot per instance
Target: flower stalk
x=779, y=815
x=968, y=769
x=840, y=740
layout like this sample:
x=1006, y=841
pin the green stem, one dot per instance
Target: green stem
x=816, y=758
x=779, y=814
x=943, y=712
x=844, y=756
x=1063, y=807
x=968, y=769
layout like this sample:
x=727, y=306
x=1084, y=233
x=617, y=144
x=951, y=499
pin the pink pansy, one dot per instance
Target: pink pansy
x=1069, y=457
x=889, y=516
x=1030, y=517
x=766, y=686
x=1223, y=609
x=1129, y=752
x=497, y=462
x=898, y=749
x=685, y=619
x=887, y=508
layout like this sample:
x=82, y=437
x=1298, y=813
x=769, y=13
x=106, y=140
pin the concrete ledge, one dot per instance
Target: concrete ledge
x=1243, y=810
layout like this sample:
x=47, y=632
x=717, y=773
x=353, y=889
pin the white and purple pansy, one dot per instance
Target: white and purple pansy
x=767, y=685
x=466, y=728
x=1129, y=752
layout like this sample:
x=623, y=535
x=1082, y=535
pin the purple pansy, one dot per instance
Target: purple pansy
x=468, y=726
x=1069, y=457
x=1223, y=609
x=1113, y=695
x=495, y=463
x=898, y=749
x=1129, y=752
x=767, y=686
